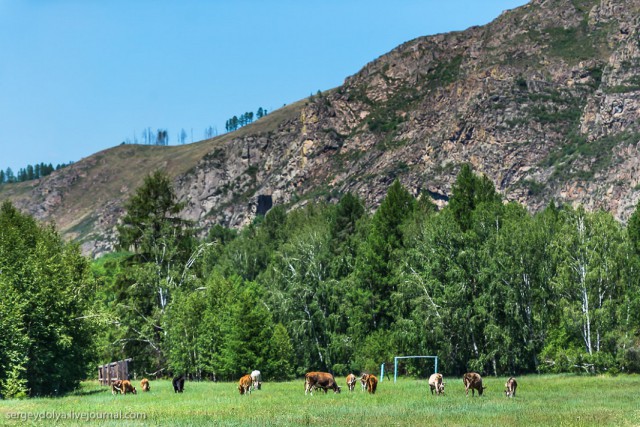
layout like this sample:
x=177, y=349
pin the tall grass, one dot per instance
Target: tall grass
x=540, y=401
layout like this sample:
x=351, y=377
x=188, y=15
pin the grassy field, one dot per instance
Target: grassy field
x=541, y=401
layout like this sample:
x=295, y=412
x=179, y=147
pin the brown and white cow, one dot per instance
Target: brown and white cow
x=123, y=387
x=256, y=380
x=351, y=382
x=510, y=387
x=472, y=381
x=244, y=385
x=372, y=383
x=436, y=383
x=363, y=381
x=116, y=387
x=144, y=385
x=323, y=380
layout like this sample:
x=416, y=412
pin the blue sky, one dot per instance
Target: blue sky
x=80, y=76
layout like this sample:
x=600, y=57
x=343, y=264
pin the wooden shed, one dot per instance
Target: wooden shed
x=113, y=371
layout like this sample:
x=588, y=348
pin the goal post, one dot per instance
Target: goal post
x=395, y=363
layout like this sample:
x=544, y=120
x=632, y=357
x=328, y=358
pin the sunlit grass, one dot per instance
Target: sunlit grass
x=540, y=401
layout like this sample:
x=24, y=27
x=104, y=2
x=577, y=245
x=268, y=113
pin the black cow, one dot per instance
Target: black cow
x=178, y=384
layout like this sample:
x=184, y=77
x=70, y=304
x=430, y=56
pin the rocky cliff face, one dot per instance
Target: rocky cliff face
x=545, y=101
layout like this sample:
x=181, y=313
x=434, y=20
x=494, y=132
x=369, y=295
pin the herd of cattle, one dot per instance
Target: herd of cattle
x=325, y=381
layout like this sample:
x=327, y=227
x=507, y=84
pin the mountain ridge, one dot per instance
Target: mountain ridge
x=544, y=100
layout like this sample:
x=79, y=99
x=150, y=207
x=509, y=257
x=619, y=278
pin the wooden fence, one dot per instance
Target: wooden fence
x=113, y=371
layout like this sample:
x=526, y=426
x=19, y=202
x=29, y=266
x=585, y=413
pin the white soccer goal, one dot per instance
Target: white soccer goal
x=395, y=363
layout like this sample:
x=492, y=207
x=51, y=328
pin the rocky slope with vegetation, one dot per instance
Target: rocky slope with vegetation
x=544, y=101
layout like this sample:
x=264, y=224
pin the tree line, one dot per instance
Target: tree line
x=483, y=284
x=30, y=172
x=161, y=136
x=236, y=122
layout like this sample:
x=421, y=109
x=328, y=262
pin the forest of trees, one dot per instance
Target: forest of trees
x=29, y=173
x=483, y=284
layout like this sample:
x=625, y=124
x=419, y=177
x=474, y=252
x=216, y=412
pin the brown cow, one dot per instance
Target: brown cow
x=244, y=385
x=144, y=385
x=436, y=383
x=473, y=381
x=510, y=387
x=323, y=380
x=127, y=387
x=363, y=381
x=351, y=382
x=372, y=383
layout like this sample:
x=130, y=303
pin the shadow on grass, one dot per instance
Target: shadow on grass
x=88, y=392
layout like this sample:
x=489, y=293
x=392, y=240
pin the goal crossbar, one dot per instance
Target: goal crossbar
x=395, y=363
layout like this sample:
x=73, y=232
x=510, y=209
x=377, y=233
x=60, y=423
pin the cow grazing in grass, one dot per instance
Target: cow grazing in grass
x=256, y=379
x=510, y=387
x=122, y=387
x=323, y=380
x=127, y=387
x=363, y=381
x=472, y=381
x=351, y=382
x=144, y=385
x=116, y=387
x=372, y=383
x=244, y=385
x=436, y=383
x=178, y=384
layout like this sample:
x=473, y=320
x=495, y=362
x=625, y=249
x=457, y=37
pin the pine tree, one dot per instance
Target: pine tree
x=280, y=355
x=468, y=192
x=152, y=217
x=374, y=265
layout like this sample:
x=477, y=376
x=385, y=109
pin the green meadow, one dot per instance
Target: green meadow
x=558, y=400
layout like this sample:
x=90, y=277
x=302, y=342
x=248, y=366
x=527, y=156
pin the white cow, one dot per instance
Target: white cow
x=256, y=378
x=436, y=383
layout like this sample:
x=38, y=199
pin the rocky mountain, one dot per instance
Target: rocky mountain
x=545, y=101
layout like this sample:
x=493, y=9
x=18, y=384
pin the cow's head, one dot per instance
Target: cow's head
x=509, y=391
x=441, y=388
x=337, y=389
